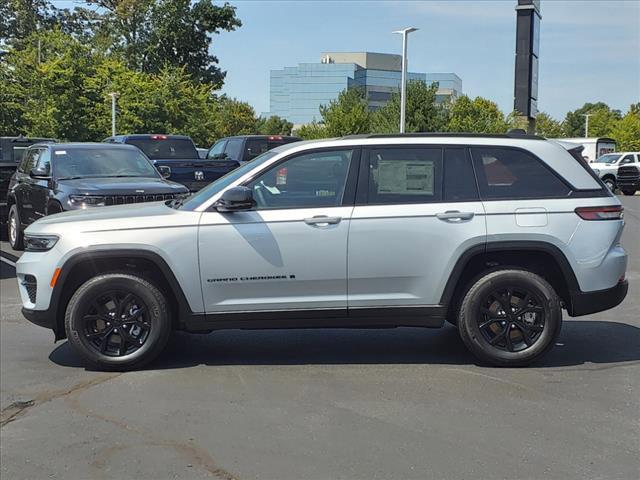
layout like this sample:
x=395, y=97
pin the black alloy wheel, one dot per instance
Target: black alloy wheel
x=116, y=323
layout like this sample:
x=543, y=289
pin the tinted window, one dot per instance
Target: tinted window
x=405, y=175
x=160, y=146
x=512, y=173
x=459, y=179
x=254, y=147
x=104, y=161
x=316, y=179
x=28, y=160
x=233, y=148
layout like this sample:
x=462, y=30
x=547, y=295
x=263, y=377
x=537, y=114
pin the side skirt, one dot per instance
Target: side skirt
x=432, y=316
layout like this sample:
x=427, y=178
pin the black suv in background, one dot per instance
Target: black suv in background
x=11, y=152
x=53, y=178
x=176, y=156
x=246, y=147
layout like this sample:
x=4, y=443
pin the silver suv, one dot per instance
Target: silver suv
x=495, y=234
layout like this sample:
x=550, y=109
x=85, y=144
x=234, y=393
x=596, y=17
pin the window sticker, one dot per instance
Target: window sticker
x=405, y=177
x=60, y=152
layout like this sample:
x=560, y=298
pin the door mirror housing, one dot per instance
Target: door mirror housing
x=39, y=173
x=164, y=171
x=235, y=199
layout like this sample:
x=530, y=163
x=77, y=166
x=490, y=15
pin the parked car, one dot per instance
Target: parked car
x=628, y=175
x=244, y=148
x=179, y=158
x=11, y=152
x=53, y=178
x=494, y=233
x=606, y=166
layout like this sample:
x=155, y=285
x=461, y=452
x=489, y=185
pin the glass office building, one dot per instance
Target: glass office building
x=296, y=93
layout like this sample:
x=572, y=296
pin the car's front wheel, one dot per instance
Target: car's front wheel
x=610, y=183
x=118, y=321
x=16, y=239
x=510, y=317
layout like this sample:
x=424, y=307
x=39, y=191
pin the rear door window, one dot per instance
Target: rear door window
x=404, y=175
x=255, y=147
x=510, y=173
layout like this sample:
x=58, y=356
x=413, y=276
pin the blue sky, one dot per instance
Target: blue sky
x=589, y=50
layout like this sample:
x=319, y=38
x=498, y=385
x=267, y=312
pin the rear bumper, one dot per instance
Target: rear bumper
x=584, y=303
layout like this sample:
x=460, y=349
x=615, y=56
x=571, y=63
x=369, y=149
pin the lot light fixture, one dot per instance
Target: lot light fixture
x=403, y=82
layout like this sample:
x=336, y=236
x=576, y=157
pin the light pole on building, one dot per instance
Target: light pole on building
x=586, y=124
x=403, y=85
x=113, y=96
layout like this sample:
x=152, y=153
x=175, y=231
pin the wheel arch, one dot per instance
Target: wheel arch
x=143, y=263
x=542, y=258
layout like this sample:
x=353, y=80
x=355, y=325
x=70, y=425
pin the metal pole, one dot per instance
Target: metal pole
x=113, y=96
x=403, y=80
x=403, y=85
x=586, y=124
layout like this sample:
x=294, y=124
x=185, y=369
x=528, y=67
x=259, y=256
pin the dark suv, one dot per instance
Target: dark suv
x=53, y=178
x=247, y=147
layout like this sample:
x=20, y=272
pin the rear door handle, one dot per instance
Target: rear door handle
x=322, y=221
x=454, y=215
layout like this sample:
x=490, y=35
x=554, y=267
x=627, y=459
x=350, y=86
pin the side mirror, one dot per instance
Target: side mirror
x=235, y=199
x=38, y=173
x=164, y=171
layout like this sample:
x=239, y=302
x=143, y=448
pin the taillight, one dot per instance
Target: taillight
x=600, y=213
x=275, y=137
x=158, y=137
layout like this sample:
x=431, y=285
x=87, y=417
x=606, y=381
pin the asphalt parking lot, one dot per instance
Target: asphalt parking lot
x=318, y=404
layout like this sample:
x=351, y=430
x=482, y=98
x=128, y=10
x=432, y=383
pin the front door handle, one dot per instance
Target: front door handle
x=322, y=221
x=454, y=215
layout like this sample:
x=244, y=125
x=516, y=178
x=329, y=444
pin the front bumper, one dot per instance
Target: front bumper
x=584, y=303
x=631, y=184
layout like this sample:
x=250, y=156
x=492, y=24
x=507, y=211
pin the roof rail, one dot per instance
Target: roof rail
x=514, y=133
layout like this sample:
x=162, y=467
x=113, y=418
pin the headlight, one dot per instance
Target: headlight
x=84, y=201
x=39, y=243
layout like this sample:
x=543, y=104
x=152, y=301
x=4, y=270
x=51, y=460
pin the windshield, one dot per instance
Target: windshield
x=101, y=162
x=609, y=158
x=212, y=189
x=159, y=146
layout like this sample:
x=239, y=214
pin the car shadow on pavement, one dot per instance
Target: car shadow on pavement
x=580, y=342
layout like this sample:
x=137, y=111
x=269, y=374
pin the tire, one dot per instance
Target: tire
x=139, y=325
x=629, y=193
x=14, y=229
x=508, y=339
x=54, y=208
x=610, y=183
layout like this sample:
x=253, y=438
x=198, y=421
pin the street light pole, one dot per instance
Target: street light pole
x=586, y=124
x=403, y=84
x=113, y=96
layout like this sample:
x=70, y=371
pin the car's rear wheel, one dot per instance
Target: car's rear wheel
x=118, y=321
x=16, y=238
x=629, y=192
x=510, y=317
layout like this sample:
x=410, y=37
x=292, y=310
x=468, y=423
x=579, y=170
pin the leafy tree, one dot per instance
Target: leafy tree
x=347, y=115
x=151, y=34
x=20, y=18
x=312, y=131
x=476, y=116
x=547, y=126
x=635, y=108
x=422, y=112
x=273, y=125
x=232, y=117
x=574, y=122
x=626, y=132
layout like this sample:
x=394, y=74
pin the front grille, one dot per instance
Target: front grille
x=31, y=285
x=628, y=173
x=125, y=199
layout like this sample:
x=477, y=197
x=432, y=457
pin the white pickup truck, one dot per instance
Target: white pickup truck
x=606, y=166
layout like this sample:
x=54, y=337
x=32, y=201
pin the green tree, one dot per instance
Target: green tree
x=626, y=132
x=476, y=116
x=423, y=114
x=20, y=18
x=232, y=117
x=347, y=115
x=312, y=131
x=547, y=126
x=574, y=122
x=273, y=125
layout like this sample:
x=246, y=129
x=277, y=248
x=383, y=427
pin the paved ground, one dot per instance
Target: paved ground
x=403, y=403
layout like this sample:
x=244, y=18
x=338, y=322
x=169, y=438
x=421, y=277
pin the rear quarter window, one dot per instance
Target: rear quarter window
x=510, y=173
